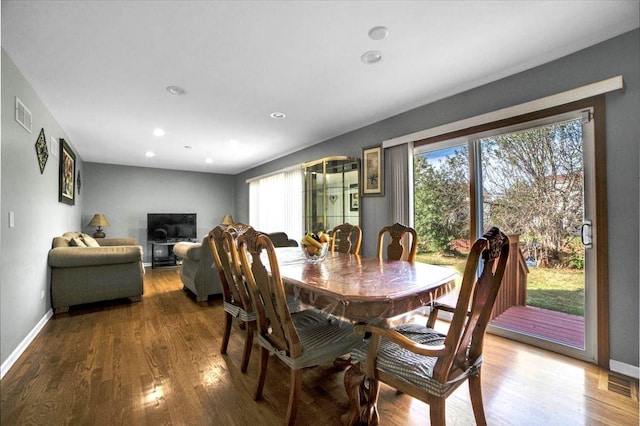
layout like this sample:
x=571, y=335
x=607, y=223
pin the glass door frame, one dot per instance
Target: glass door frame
x=589, y=352
x=311, y=217
x=595, y=184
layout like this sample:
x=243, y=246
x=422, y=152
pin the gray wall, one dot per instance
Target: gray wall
x=126, y=194
x=33, y=197
x=618, y=56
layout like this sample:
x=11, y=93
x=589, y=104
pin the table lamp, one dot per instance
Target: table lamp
x=227, y=220
x=99, y=220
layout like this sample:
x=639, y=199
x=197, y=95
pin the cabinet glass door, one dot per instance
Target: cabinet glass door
x=332, y=187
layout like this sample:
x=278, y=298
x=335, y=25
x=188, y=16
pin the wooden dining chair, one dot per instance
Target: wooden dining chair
x=346, y=238
x=299, y=340
x=395, y=249
x=236, y=299
x=424, y=363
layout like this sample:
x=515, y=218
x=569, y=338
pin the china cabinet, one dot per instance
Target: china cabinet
x=331, y=193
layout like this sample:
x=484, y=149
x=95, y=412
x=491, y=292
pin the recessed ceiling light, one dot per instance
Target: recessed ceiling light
x=278, y=115
x=188, y=147
x=208, y=160
x=371, y=57
x=149, y=154
x=176, y=90
x=378, y=33
x=158, y=132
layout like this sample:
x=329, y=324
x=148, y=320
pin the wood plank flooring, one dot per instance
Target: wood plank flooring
x=157, y=362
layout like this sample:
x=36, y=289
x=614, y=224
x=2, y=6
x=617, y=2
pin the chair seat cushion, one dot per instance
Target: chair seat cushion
x=238, y=312
x=409, y=366
x=323, y=338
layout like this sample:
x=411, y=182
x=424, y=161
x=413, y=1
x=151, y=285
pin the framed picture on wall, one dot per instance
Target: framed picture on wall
x=67, y=184
x=354, y=201
x=373, y=171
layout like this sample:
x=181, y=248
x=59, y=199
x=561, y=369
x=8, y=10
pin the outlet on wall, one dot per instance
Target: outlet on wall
x=42, y=295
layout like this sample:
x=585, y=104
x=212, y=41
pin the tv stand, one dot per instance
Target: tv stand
x=169, y=259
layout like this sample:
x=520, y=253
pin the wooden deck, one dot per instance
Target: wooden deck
x=550, y=325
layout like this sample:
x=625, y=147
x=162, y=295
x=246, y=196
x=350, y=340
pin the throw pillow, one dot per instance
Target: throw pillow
x=77, y=242
x=89, y=241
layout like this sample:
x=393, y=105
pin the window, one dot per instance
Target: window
x=275, y=202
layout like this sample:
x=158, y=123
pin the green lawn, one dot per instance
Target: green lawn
x=555, y=289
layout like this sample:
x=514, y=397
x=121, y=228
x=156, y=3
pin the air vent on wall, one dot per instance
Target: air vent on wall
x=23, y=115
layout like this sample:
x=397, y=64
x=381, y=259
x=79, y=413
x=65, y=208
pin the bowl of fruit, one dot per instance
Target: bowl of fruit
x=315, y=246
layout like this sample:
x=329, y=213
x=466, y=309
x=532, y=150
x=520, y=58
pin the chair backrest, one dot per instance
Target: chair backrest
x=275, y=323
x=223, y=247
x=475, y=302
x=395, y=249
x=238, y=228
x=346, y=238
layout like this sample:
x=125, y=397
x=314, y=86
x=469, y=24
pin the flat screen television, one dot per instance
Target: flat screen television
x=171, y=226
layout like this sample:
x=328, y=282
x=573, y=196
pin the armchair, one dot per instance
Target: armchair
x=198, y=272
x=424, y=363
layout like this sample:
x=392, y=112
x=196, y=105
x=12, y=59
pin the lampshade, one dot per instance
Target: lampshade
x=99, y=220
x=227, y=220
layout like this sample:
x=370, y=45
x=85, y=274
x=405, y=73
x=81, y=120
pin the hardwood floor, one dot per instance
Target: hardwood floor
x=157, y=362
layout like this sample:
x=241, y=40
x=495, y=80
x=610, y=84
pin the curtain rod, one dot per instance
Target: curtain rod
x=583, y=92
x=286, y=169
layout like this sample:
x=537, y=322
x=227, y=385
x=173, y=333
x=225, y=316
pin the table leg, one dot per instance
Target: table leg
x=363, y=398
x=342, y=363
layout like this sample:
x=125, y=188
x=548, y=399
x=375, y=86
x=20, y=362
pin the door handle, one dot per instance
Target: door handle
x=586, y=234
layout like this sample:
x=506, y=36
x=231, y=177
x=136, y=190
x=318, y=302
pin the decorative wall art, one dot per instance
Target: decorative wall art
x=354, y=201
x=41, y=151
x=354, y=197
x=78, y=182
x=373, y=171
x=67, y=190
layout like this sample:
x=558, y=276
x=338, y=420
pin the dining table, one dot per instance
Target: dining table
x=361, y=288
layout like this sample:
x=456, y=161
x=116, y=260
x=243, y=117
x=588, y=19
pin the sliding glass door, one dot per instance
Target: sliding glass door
x=535, y=182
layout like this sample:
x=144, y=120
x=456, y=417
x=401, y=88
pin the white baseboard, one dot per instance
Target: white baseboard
x=8, y=363
x=626, y=369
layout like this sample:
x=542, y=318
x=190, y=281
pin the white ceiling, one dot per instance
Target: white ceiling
x=102, y=67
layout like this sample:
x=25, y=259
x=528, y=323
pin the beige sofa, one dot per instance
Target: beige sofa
x=198, y=273
x=106, y=269
x=281, y=239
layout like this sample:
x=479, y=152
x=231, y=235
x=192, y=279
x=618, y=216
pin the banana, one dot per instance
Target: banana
x=309, y=240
